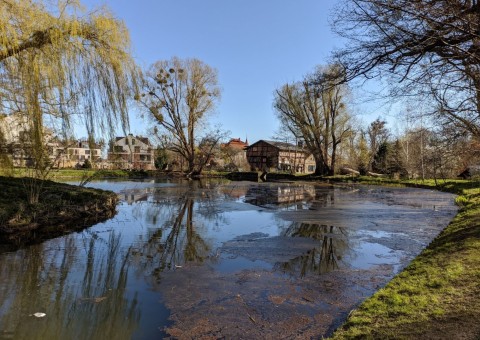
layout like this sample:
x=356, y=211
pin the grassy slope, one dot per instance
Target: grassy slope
x=438, y=294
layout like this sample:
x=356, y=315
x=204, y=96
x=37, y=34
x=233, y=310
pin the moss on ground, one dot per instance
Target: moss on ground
x=438, y=295
x=60, y=208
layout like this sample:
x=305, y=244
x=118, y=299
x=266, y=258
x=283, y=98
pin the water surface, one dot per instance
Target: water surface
x=219, y=259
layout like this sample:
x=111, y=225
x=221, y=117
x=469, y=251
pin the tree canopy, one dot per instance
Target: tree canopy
x=62, y=62
x=426, y=48
x=179, y=95
x=314, y=110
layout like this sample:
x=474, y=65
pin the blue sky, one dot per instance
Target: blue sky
x=256, y=46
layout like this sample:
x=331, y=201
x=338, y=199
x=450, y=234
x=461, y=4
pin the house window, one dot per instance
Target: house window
x=118, y=148
x=87, y=152
x=311, y=168
x=137, y=149
x=133, y=141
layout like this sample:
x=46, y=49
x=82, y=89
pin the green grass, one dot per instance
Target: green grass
x=74, y=173
x=440, y=285
x=58, y=205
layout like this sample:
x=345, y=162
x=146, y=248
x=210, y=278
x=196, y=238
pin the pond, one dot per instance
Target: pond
x=190, y=259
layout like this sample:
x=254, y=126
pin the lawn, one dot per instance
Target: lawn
x=438, y=295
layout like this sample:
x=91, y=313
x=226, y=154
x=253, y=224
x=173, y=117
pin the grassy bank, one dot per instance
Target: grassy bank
x=438, y=295
x=73, y=174
x=61, y=208
x=81, y=174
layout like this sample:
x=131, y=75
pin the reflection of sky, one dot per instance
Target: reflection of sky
x=366, y=255
x=124, y=185
x=219, y=218
x=246, y=222
x=373, y=220
x=132, y=219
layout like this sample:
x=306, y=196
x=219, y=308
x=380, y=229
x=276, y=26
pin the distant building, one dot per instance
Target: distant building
x=233, y=155
x=16, y=142
x=132, y=152
x=279, y=156
x=75, y=154
x=236, y=143
x=15, y=139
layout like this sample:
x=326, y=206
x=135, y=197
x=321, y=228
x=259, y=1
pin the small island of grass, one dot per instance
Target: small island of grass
x=60, y=209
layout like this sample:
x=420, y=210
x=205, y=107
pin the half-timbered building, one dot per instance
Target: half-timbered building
x=271, y=156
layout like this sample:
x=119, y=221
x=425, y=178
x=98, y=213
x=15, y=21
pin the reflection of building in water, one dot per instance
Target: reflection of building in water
x=279, y=195
x=235, y=191
x=135, y=195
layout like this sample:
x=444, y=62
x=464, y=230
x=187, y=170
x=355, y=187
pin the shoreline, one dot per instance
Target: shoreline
x=436, y=296
x=61, y=209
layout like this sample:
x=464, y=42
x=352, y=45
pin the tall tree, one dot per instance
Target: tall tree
x=378, y=137
x=65, y=63
x=315, y=111
x=179, y=95
x=429, y=48
x=58, y=62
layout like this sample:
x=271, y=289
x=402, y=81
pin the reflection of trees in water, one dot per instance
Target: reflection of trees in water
x=177, y=238
x=324, y=197
x=48, y=278
x=165, y=202
x=323, y=258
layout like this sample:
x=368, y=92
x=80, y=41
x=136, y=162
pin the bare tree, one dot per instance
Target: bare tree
x=315, y=110
x=179, y=95
x=426, y=48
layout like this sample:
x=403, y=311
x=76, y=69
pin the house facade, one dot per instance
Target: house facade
x=273, y=156
x=75, y=154
x=234, y=154
x=16, y=143
x=132, y=152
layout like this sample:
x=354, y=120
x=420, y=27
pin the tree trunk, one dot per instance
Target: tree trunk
x=321, y=169
x=333, y=160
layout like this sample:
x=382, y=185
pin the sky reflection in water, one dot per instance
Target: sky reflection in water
x=214, y=242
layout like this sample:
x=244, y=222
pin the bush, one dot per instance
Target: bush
x=87, y=164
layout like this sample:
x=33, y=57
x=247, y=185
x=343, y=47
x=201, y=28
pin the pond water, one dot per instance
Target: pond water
x=190, y=259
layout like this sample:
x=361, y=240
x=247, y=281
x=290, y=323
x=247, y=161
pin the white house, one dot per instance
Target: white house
x=132, y=152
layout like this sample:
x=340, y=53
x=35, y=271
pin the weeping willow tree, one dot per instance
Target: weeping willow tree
x=60, y=64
